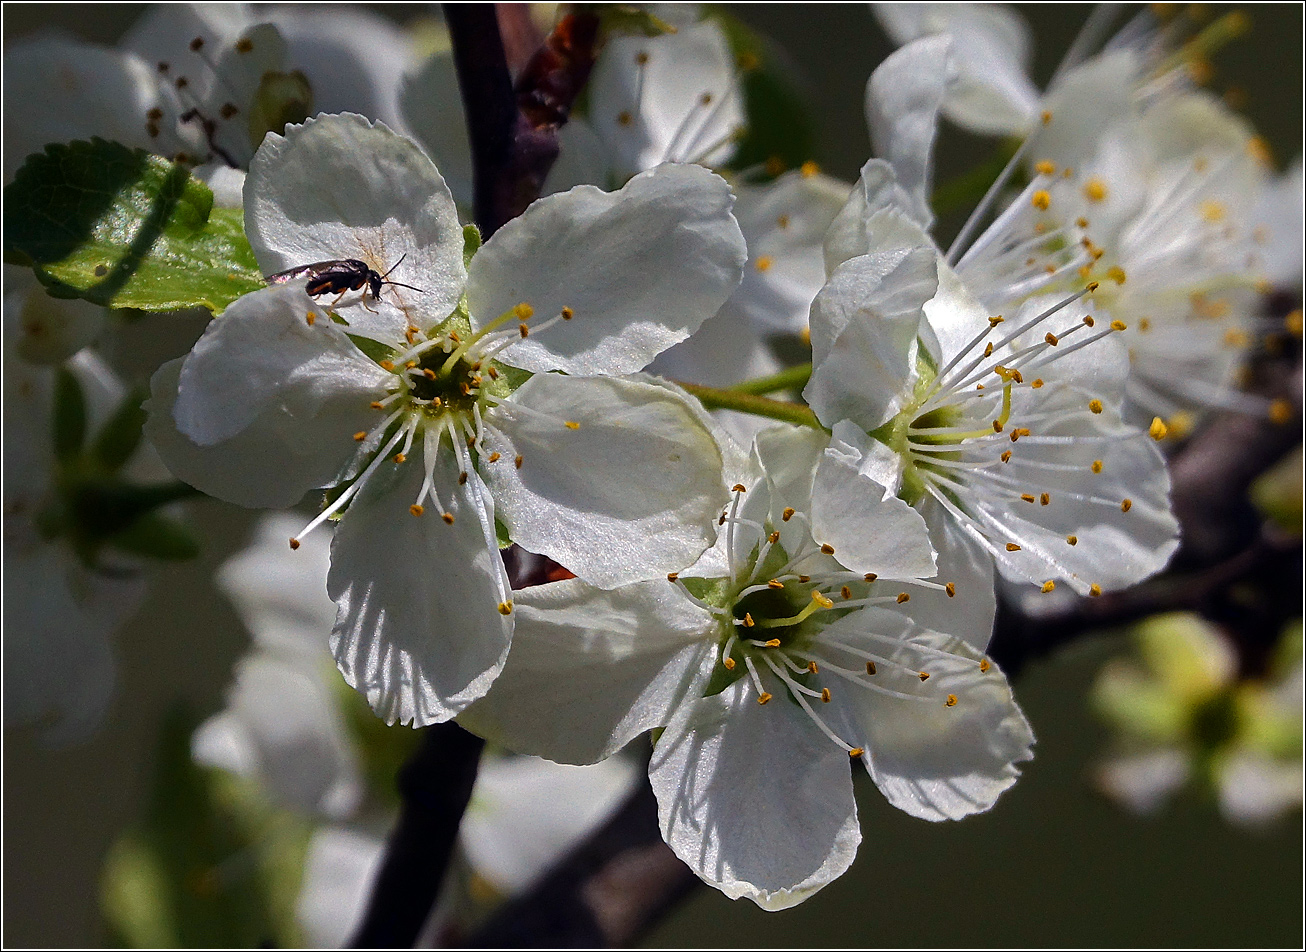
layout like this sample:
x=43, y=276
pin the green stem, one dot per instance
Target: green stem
x=791, y=378
x=715, y=398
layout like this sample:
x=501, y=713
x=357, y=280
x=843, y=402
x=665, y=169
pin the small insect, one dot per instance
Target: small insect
x=339, y=277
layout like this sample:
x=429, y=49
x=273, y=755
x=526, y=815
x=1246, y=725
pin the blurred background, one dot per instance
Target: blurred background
x=1054, y=863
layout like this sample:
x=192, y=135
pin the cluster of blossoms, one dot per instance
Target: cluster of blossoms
x=776, y=603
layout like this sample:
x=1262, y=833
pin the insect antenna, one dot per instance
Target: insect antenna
x=396, y=283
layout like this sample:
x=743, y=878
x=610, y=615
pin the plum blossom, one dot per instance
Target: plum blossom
x=803, y=638
x=607, y=474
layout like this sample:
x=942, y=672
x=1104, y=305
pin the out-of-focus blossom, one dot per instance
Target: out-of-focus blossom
x=1183, y=716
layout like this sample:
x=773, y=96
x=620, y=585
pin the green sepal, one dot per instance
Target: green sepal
x=156, y=536
x=471, y=244
x=501, y=533
x=123, y=228
x=630, y=20
x=121, y=433
x=372, y=349
x=69, y=415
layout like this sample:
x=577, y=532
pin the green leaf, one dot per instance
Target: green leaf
x=121, y=433
x=69, y=415
x=123, y=228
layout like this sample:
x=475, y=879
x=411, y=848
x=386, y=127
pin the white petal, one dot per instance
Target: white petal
x=1086, y=101
x=903, y=99
x=870, y=528
x=629, y=491
x=879, y=216
x=784, y=224
x=583, y=159
x=1256, y=789
x=338, y=873
x=526, y=814
x=58, y=90
x=865, y=323
x=654, y=111
x=342, y=187
x=45, y=329
x=281, y=594
x=967, y=566
x=755, y=799
x=1143, y=782
x=590, y=670
x=641, y=269
x=931, y=760
x=419, y=631
x=432, y=106
x=298, y=745
x=992, y=93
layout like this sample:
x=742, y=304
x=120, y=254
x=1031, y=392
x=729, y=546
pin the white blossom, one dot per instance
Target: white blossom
x=790, y=646
x=608, y=475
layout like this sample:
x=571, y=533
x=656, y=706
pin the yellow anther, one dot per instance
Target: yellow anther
x=705, y=99
x=1048, y=586
x=1018, y=432
x=523, y=330
x=870, y=667
x=400, y=457
x=416, y=509
x=748, y=620
x=827, y=548
x=494, y=374
x=1200, y=71
x=410, y=364
x=641, y=58
x=951, y=589
x=1259, y=150
x=1028, y=497
x=821, y=600
x=294, y=544
x=1036, y=383
x=1088, y=320
x=310, y=318
x=447, y=517
x=1006, y=456
x=1126, y=505
x=924, y=675
x=377, y=405
x=1046, y=117
x=997, y=426
x=1096, y=466
x=775, y=583
x=1234, y=337
x=492, y=458
x=903, y=597
x=728, y=662
x=775, y=165
x=568, y=313
x=518, y=461
x=1292, y=323
x=1095, y=190
x=571, y=424
x=1213, y=211
x=244, y=45
x=1012, y=547
x=763, y=697
x=809, y=168
x=812, y=668
x=1041, y=200
x=1095, y=406
x=856, y=752
x=806, y=336
x=825, y=695
x=787, y=514
x=625, y=118
x=984, y=665
x=995, y=320
x=951, y=701
x=845, y=592
x=1072, y=539
x=1044, y=499
x=1280, y=411
x=1144, y=325
x=672, y=576
x=1081, y=222
x=870, y=577
x=360, y=436
x=386, y=365
x=1045, y=167
x=1158, y=429
x=782, y=221
x=772, y=643
x=1093, y=286
x=763, y=263
x=1095, y=590
x=773, y=538
x=1050, y=339
x=462, y=479
x=1116, y=274
x=505, y=608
